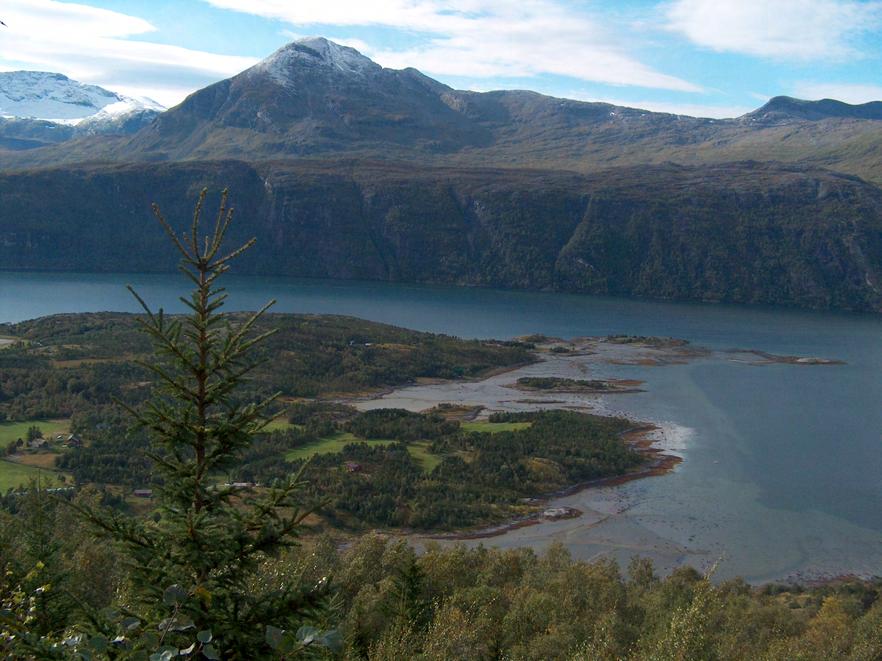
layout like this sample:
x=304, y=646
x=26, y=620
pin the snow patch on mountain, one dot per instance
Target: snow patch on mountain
x=57, y=98
x=125, y=106
x=315, y=52
x=122, y=117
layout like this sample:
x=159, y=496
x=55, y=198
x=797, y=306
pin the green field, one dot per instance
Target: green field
x=10, y=431
x=420, y=452
x=14, y=475
x=279, y=424
x=334, y=444
x=330, y=445
x=494, y=427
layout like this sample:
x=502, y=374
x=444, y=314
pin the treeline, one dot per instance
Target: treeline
x=478, y=604
x=115, y=453
x=33, y=387
x=562, y=384
x=401, y=425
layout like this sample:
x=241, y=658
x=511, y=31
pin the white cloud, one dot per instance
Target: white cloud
x=427, y=15
x=784, y=29
x=93, y=45
x=848, y=92
x=478, y=38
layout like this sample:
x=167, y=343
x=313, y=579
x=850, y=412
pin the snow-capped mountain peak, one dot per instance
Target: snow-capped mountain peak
x=312, y=52
x=57, y=98
x=39, y=108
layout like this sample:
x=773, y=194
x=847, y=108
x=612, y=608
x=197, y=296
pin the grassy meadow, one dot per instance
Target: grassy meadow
x=494, y=427
x=10, y=431
x=14, y=475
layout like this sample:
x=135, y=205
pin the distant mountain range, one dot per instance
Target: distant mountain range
x=38, y=108
x=348, y=169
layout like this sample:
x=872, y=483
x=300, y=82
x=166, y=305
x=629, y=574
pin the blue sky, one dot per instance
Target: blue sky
x=715, y=58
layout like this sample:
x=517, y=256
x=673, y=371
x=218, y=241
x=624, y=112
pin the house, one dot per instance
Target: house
x=38, y=444
x=143, y=493
x=352, y=466
x=72, y=441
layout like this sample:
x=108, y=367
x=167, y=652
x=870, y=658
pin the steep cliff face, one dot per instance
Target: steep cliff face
x=802, y=238
x=740, y=233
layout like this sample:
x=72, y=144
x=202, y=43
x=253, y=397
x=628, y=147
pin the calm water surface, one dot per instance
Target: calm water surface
x=783, y=463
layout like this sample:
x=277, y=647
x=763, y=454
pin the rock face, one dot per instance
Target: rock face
x=739, y=233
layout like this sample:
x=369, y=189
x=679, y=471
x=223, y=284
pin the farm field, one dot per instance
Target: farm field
x=330, y=445
x=494, y=427
x=333, y=444
x=420, y=452
x=10, y=431
x=279, y=424
x=14, y=475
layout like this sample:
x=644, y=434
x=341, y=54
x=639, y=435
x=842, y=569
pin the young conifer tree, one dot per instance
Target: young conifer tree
x=194, y=565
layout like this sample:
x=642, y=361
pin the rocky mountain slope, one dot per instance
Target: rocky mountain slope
x=314, y=98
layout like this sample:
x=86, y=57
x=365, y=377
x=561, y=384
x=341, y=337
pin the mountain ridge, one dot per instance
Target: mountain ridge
x=787, y=108
x=313, y=98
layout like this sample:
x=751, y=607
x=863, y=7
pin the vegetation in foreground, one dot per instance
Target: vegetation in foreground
x=191, y=581
x=390, y=603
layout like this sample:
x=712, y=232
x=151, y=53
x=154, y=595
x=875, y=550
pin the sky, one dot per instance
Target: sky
x=712, y=58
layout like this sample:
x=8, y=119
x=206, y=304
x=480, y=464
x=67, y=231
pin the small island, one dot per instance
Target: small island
x=586, y=386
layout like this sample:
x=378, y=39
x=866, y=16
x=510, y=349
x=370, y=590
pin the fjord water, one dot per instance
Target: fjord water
x=782, y=462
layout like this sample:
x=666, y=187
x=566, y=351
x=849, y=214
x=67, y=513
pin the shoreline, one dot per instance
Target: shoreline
x=620, y=516
x=353, y=398
x=657, y=463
